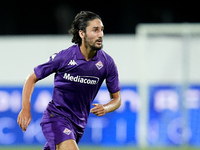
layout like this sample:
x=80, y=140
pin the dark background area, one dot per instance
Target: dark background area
x=19, y=17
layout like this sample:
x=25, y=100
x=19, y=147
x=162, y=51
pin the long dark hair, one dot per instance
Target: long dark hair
x=80, y=23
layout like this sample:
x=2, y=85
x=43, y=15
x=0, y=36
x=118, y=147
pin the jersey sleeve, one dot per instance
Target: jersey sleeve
x=52, y=65
x=112, y=80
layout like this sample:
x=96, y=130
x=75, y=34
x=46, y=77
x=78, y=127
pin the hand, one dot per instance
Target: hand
x=24, y=119
x=98, y=110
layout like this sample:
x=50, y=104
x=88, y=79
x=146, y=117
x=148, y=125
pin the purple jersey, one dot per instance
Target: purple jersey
x=77, y=81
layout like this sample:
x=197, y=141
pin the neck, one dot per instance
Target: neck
x=87, y=52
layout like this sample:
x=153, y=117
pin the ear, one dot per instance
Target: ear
x=81, y=34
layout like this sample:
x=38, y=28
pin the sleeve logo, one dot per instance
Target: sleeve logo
x=51, y=57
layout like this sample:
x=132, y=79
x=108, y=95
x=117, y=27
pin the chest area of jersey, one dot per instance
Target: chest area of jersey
x=84, y=72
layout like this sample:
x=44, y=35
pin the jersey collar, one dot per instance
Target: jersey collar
x=80, y=56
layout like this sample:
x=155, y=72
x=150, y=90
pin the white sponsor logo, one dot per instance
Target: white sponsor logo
x=72, y=62
x=82, y=79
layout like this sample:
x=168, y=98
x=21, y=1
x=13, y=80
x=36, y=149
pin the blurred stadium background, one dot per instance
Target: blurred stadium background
x=156, y=46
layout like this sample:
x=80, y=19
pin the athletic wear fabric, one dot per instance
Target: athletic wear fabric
x=77, y=82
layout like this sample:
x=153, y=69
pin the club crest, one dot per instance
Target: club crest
x=67, y=131
x=99, y=65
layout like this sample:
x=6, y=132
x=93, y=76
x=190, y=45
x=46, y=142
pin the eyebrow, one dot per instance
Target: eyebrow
x=98, y=27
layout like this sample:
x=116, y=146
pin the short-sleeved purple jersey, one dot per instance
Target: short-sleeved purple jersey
x=77, y=81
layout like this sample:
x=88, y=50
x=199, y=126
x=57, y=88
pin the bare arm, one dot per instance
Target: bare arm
x=100, y=110
x=24, y=117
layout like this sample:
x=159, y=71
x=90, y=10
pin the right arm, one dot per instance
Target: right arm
x=24, y=117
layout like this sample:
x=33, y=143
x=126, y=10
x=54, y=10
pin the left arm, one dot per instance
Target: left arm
x=100, y=110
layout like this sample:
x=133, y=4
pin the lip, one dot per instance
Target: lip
x=99, y=41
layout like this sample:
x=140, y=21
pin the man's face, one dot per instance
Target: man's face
x=94, y=34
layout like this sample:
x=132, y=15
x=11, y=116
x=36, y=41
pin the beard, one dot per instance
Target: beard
x=91, y=44
x=95, y=48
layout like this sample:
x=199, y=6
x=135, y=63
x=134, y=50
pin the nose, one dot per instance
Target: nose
x=101, y=34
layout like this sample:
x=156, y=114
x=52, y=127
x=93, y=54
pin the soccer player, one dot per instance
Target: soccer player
x=79, y=73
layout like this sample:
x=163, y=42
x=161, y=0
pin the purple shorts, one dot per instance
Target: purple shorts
x=57, y=129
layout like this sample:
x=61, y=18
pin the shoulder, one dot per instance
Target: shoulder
x=105, y=55
x=107, y=58
x=67, y=52
x=64, y=54
x=107, y=61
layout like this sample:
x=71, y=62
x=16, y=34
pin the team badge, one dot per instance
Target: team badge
x=99, y=65
x=67, y=131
